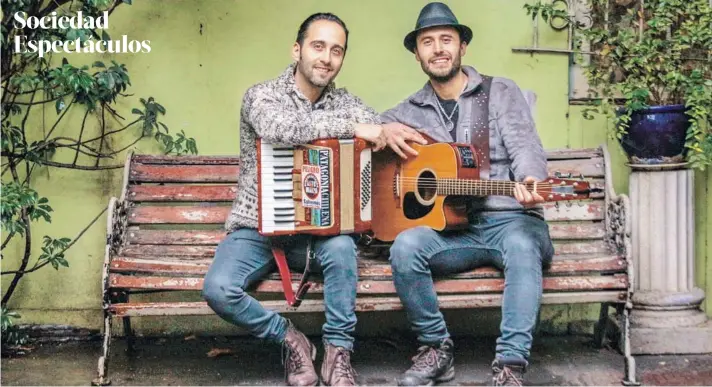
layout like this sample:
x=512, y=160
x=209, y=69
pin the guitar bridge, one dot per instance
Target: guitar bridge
x=396, y=188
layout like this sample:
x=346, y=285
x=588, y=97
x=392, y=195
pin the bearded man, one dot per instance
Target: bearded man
x=460, y=104
x=299, y=106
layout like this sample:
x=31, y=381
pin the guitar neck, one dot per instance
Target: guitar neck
x=480, y=187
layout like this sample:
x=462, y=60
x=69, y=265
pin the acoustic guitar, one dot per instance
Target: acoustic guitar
x=431, y=189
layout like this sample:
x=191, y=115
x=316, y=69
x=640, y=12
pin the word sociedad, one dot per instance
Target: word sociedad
x=24, y=45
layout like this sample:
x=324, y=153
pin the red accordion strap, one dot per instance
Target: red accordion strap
x=293, y=299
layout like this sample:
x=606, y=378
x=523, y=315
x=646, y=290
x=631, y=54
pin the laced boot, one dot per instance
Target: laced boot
x=430, y=365
x=336, y=369
x=298, y=357
x=509, y=373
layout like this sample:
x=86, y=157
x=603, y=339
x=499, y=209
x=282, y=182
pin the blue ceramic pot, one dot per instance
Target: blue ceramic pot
x=657, y=135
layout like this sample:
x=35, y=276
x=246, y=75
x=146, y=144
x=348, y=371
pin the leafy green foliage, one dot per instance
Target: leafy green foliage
x=32, y=86
x=10, y=335
x=658, y=55
x=53, y=251
x=18, y=200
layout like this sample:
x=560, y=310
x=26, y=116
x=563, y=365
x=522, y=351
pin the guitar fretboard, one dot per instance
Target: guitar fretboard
x=481, y=187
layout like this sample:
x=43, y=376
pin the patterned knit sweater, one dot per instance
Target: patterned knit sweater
x=278, y=112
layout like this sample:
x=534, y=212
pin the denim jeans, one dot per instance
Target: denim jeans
x=245, y=256
x=516, y=243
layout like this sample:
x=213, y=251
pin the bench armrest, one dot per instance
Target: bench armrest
x=618, y=221
x=618, y=224
x=116, y=225
x=115, y=230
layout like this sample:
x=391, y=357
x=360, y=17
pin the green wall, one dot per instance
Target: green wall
x=205, y=54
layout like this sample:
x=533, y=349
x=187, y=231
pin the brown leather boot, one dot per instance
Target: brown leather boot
x=299, y=359
x=336, y=369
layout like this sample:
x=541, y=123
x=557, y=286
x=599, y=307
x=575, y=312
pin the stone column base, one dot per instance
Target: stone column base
x=672, y=340
x=669, y=323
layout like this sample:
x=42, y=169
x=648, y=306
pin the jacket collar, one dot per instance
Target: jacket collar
x=426, y=95
x=290, y=83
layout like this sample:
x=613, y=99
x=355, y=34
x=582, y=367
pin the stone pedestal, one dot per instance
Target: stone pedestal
x=666, y=316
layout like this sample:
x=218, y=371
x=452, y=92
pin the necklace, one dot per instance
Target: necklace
x=450, y=125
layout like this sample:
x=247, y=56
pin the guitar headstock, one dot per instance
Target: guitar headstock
x=560, y=188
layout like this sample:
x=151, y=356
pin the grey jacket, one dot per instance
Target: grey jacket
x=515, y=147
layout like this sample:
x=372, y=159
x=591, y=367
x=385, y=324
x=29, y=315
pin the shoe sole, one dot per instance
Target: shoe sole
x=446, y=377
x=313, y=358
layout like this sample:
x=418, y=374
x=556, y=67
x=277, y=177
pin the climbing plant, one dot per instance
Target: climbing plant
x=38, y=84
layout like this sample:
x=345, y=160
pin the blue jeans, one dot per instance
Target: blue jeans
x=245, y=256
x=516, y=243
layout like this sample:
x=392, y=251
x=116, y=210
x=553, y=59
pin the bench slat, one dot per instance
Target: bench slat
x=184, y=173
x=182, y=193
x=557, y=230
x=574, y=210
x=590, y=247
x=208, y=251
x=593, y=167
x=559, y=153
x=485, y=285
x=185, y=159
x=226, y=193
x=579, y=153
x=175, y=237
x=571, y=210
x=576, y=230
x=365, y=259
x=221, y=173
x=178, y=215
x=372, y=269
x=457, y=301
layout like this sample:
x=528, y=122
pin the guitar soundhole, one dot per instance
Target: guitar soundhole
x=412, y=208
x=427, y=187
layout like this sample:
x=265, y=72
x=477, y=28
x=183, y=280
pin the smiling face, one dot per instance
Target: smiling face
x=439, y=51
x=321, y=54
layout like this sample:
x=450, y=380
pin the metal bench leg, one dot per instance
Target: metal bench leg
x=629, y=378
x=123, y=297
x=601, y=329
x=128, y=333
x=103, y=366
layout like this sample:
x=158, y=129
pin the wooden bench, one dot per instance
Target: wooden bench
x=163, y=230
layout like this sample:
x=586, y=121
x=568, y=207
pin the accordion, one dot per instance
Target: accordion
x=319, y=188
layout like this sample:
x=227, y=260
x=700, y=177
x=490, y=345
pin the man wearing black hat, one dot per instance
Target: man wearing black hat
x=459, y=104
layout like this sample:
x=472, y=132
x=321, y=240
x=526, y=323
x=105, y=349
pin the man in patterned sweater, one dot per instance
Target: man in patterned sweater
x=299, y=106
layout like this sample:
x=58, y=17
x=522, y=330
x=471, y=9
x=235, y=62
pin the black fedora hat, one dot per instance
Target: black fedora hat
x=434, y=15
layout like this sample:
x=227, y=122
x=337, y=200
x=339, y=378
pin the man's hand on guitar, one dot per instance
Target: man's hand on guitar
x=396, y=136
x=526, y=198
x=373, y=134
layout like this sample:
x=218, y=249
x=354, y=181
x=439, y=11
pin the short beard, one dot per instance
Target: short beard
x=309, y=76
x=443, y=78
